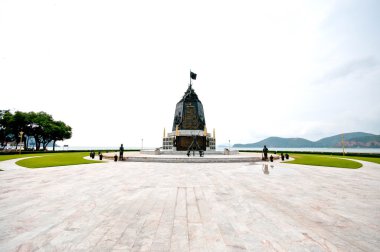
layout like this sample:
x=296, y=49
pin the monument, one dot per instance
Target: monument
x=189, y=131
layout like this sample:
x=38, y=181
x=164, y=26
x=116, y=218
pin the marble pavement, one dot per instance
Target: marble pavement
x=126, y=206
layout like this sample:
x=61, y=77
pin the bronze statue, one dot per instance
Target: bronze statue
x=265, y=150
x=121, y=152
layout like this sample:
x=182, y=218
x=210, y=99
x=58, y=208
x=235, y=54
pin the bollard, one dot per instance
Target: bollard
x=115, y=158
x=100, y=156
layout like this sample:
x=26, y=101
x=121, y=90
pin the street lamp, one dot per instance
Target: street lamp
x=21, y=133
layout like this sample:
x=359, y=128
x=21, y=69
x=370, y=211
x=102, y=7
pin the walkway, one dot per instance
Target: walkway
x=126, y=206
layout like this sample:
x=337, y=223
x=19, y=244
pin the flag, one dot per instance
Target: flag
x=193, y=75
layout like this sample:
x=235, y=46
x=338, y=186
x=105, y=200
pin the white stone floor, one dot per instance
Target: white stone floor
x=127, y=206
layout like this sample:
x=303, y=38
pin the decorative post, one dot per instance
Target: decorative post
x=21, y=133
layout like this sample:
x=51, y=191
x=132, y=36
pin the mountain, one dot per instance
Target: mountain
x=353, y=140
x=365, y=142
x=280, y=142
x=336, y=141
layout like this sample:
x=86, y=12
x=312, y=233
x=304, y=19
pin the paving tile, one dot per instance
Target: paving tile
x=127, y=206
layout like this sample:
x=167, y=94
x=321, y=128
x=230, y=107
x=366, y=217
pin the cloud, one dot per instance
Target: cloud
x=349, y=68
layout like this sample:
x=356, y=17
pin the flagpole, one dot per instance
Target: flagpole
x=190, y=77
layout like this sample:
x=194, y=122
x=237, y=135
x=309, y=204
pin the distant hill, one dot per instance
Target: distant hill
x=336, y=141
x=279, y=141
x=353, y=140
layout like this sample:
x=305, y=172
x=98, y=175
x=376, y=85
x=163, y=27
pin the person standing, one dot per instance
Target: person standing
x=121, y=152
x=265, y=150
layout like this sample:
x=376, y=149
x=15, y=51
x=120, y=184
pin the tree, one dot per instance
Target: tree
x=34, y=128
x=17, y=123
x=5, y=129
x=59, y=132
x=47, y=130
x=40, y=126
x=42, y=123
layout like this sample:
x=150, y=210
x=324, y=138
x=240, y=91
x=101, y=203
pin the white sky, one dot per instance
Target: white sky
x=114, y=70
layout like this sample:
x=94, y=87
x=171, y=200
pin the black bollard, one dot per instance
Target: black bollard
x=282, y=157
x=287, y=156
x=115, y=158
x=100, y=156
x=271, y=158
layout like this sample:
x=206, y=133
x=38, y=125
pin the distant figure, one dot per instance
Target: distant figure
x=201, y=153
x=282, y=157
x=287, y=156
x=265, y=150
x=121, y=152
x=100, y=156
x=188, y=153
x=271, y=158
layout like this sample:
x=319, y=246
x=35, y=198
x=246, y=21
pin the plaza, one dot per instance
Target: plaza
x=148, y=206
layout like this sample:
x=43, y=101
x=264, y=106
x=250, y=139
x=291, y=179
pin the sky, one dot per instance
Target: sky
x=114, y=70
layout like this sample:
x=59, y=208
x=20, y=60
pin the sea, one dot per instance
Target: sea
x=337, y=150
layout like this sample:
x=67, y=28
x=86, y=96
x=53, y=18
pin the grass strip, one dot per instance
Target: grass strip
x=15, y=156
x=323, y=160
x=60, y=159
x=368, y=159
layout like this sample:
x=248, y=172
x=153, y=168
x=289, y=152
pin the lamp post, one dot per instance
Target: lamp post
x=21, y=133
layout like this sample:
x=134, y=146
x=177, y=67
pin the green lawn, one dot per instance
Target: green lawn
x=14, y=156
x=368, y=159
x=59, y=159
x=323, y=160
